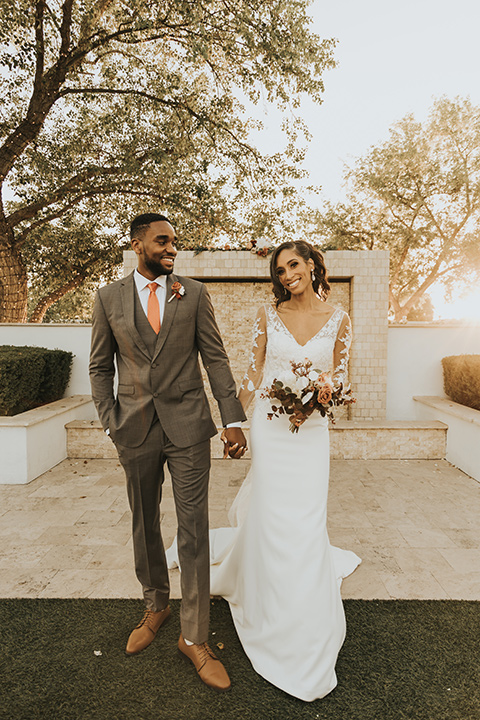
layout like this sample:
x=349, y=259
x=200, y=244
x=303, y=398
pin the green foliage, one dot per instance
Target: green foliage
x=74, y=307
x=31, y=376
x=418, y=196
x=114, y=108
x=423, y=311
x=461, y=377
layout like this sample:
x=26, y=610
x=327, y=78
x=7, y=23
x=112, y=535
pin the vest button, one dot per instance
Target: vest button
x=153, y=365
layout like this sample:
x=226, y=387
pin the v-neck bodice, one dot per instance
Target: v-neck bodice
x=275, y=348
x=283, y=349
x=313, y=336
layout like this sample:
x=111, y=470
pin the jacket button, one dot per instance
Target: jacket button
x=153, y=365
x=155, y=394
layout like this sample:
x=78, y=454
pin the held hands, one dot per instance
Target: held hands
x=234, y=443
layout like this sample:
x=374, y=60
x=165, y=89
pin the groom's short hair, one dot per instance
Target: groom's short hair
x=141, y=222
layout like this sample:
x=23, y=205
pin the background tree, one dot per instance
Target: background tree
x=111, y=107
x=417, y=195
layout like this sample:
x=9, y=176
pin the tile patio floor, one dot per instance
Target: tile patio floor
x=415, y=523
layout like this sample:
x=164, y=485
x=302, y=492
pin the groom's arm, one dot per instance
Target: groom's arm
x=102, y=366
x=215, y=361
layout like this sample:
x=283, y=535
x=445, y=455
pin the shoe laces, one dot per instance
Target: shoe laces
x=147, y=619
x=205, y=654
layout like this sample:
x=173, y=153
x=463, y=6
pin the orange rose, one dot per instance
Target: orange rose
x=177, y=291
x=325, y=394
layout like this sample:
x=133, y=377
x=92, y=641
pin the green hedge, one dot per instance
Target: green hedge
x=461, y=378
x=32, y=376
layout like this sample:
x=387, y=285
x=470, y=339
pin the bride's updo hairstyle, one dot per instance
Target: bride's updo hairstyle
x=306, y=251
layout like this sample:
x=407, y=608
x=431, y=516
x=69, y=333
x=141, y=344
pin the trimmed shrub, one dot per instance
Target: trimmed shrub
x=32, y=376
x=461, y=379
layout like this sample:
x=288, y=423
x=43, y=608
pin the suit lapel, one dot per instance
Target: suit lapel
x=127, y=293
x=168, y=315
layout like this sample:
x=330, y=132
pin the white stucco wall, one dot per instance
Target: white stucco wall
x=463, y=435
x=414, y=366
x=34, y=441
x=415, y=352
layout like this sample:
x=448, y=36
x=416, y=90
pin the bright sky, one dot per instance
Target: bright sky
x=393, y=58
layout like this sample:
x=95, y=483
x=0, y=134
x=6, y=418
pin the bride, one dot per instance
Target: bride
x=276, y=566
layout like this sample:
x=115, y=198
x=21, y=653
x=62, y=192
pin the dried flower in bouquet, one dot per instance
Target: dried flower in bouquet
x=304, y=392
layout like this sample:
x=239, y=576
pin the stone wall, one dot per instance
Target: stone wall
x=238, y=282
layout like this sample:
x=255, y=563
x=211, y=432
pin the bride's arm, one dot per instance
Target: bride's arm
x=341, y=351
x=254, y=374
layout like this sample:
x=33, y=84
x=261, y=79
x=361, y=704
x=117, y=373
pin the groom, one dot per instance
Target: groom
x=150, y=329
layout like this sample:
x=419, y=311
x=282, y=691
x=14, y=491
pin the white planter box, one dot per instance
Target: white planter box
x=34, y=441
x=463, y=434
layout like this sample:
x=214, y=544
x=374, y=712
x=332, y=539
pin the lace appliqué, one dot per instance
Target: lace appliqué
x=341, y=368
x=327, y=350
x=252, y=367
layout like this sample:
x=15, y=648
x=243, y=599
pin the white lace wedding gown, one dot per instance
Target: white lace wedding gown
x=276, y=566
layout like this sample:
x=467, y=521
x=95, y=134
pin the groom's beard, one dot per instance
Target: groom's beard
x=156, y=267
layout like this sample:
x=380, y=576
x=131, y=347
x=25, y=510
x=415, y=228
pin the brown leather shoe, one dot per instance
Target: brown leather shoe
x=207, y=665
x=145, y=632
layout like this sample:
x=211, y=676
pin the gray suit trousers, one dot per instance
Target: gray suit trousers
x=189, y=468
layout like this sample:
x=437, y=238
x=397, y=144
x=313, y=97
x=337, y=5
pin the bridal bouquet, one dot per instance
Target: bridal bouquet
x=303, y=392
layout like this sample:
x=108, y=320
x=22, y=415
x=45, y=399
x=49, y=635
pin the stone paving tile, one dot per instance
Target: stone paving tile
x=425, y=537
x=100, y=518
x=115, y=537
x=417, y=560
x=109, y=558
x=422, y=586
x=464, y=561
x=364, y=584
x=74, y=583
x=464, y=538
x=63, y=535
x=461, y=587
x=22, y=555
x=70, y=557
x=414, y=523
x=121, y=582
x=22, y=583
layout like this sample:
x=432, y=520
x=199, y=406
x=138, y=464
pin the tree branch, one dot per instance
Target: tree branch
x=65, y=29
x=39, y=45
x=101, y=190
x=174, y=104
x=42, y=306
x=29, y=211
x=89, y=21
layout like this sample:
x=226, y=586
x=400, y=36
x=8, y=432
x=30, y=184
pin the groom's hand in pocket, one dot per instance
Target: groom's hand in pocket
x=234, y=443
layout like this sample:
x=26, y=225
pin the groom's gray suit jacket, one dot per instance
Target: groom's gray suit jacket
x=162, y=374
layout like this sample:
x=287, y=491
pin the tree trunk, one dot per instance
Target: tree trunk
x=13, y=283
x=47, y=301
x=400, y=313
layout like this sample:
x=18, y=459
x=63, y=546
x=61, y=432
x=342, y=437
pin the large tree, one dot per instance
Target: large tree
x=418, y=196
x=109, y=107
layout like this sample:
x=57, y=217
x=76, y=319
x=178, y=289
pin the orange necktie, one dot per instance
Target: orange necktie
x=153, y=307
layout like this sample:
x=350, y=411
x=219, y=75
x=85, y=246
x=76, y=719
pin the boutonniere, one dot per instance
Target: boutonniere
x=177, y=291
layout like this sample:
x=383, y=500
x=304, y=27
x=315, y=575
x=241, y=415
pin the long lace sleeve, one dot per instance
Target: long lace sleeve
x=253, y=377
x=341, y=351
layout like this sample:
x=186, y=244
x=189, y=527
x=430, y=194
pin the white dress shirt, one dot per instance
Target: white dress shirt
x=143, y=290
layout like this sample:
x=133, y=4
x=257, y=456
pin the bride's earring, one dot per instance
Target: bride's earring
x=312, y=274
x=285, y=291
